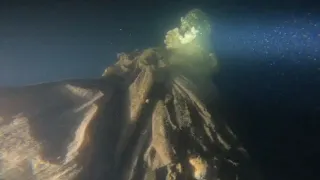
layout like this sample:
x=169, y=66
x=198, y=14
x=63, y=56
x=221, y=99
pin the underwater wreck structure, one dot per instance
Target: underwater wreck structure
x=149, y=117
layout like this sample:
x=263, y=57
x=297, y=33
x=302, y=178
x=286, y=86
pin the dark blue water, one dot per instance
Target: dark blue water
x=278, y=110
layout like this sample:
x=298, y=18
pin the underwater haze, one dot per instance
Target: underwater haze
x=79, y=39
x=268, y=54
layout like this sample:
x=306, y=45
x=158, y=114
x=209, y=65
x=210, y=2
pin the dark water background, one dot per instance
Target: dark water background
x=278, y=115
x=273, y=99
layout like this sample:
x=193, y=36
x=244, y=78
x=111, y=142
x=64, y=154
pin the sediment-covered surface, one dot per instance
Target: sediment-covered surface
x=146, y=118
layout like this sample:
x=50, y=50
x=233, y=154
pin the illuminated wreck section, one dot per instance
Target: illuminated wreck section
x=194, y=30
x=43, y=130
x=147, y=118
x=171, y=132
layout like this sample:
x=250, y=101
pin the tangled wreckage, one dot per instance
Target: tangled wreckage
x=149, y=117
